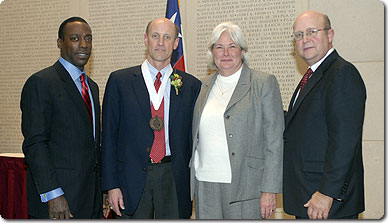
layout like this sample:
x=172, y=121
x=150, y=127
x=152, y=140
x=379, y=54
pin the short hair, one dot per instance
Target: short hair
x=175, y=26
x=69, y=20
x=326, y=21
x=235, y=34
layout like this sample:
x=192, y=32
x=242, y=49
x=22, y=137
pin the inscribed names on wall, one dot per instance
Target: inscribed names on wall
x=267, y=26
x=118, y=34
x=28, y=34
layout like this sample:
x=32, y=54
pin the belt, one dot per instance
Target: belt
x=165, y=159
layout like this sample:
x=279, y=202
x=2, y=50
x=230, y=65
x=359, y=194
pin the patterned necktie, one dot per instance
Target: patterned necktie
x=158, y=150
x=85, y=96
x=305, y=78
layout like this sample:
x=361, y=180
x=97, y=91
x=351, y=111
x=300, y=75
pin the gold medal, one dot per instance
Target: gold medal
x=156, y=123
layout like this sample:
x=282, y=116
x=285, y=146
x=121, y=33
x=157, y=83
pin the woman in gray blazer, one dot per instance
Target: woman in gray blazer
x=236, y=167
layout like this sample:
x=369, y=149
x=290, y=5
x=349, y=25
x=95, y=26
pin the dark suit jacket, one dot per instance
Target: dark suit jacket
x=58, y=144
x=322, y=140
x=127, y=136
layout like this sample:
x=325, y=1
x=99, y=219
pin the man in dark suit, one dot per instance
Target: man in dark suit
x=146, y=137
x=323, y=168
x=61, y=127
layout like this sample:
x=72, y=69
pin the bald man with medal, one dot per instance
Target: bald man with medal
x=147, y=118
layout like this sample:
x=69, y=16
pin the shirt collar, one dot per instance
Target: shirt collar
x=74, y=72
x=153, y=71
x=315, y=66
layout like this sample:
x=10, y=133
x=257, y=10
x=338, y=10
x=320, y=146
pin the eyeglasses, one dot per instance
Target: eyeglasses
x=310, y=32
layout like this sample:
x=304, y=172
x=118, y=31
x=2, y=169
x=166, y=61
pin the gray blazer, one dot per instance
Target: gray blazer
x=254, y=124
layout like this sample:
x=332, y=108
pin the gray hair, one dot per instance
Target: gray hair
x=235, y=34
x=326, y=22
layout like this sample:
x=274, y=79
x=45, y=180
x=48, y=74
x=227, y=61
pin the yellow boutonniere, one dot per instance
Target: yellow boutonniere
x=176, y=81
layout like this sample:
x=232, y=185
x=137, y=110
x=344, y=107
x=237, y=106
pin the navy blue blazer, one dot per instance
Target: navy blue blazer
x=323, y=140
x=127, y=136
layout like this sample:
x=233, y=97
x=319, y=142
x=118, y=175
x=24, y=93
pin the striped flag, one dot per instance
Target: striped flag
x=173, y=14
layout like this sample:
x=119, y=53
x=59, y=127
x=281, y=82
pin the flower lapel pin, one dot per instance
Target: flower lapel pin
x=176, y=81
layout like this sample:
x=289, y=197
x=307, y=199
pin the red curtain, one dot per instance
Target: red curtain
x=13, y=192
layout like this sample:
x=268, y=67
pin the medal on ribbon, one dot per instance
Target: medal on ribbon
x=156, y=123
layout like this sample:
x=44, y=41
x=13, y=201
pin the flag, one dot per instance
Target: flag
x=173, y=14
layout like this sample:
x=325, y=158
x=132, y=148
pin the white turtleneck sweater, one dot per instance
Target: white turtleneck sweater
x=211, y=161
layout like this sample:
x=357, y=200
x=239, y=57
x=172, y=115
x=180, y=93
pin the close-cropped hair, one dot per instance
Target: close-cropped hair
x=235, y=34
x=175, y=26
x=69, y=20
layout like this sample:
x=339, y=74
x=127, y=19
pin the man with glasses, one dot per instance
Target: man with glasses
x=323, y=169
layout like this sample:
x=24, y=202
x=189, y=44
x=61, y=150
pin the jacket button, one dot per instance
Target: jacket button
x=233, y=154
x=227, y=116
x=148, y=149
x=230, y=136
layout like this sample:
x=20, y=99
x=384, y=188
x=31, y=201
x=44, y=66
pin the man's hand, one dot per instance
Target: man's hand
x=267, y=204
x=319, y=206
x=115, y=198
x=105, y=205
x=58, y=208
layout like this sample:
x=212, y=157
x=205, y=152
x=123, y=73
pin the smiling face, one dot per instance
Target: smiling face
x=312, y=49
x=160, y=40
x=76, y=45
x=227, y=55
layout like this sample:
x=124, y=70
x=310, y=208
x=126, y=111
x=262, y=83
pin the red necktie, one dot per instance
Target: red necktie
x=158, y=150
x=305, y=78
x=85, y=96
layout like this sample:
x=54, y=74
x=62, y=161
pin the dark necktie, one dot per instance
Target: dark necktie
x=305, y=78
x=158, y=150
x=85, y=96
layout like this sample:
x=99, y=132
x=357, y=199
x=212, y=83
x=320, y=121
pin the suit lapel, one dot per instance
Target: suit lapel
x=202, y=98
x=242, y=87
x=141, y=93
x=95, y=95
x=73, y=92
x=315, y=78
x=96, y=101
x=317, y=75
x=290, y=105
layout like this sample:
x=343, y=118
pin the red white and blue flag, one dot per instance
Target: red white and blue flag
x=173, y=14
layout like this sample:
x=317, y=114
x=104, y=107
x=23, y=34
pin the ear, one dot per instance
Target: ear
x=59, y=43
x=330, y=34
x=176, y=42
x=146, y=40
